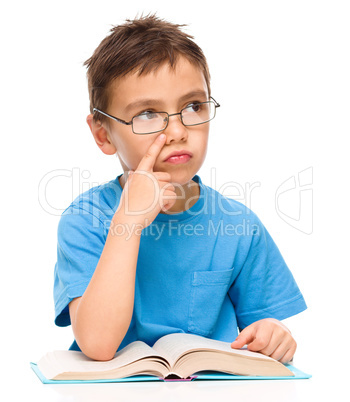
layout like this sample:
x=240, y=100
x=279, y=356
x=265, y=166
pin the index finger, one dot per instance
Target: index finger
x=149, y=159
x=244, y=338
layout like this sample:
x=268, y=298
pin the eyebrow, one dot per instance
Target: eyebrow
x=148, y=101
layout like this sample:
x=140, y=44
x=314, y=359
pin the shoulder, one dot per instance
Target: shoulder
x=92, y=210
x=100, y=198
x=228, y=207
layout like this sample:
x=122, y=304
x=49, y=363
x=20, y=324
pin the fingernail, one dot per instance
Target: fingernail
x=162, y=136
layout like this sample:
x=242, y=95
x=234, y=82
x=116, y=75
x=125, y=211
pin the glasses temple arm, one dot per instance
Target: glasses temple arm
x=216, y=103
x=112, y=117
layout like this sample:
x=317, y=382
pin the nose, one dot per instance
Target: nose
x=175, y=131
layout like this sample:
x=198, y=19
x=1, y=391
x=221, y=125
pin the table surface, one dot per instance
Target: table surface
x=26, y=384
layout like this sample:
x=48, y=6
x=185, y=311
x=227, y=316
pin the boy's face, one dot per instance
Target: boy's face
x=164, y=90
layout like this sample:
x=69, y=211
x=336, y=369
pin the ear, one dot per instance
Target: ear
x=101, y=136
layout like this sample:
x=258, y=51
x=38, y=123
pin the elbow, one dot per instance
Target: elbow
x=99, y=351
x=97, y=344
x=99, y=354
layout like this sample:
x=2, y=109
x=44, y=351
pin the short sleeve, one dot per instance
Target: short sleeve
x=264, y=286
x=81, y=238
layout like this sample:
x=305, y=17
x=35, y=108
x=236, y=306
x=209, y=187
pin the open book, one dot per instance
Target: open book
x=174, y=356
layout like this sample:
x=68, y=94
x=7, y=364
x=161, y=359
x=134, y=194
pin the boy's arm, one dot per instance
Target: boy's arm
x=263, y=293
x=101, y=317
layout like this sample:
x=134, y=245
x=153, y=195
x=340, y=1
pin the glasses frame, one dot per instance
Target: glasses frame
x=130, y=123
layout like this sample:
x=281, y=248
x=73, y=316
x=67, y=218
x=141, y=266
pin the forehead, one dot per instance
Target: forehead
x=164, y=85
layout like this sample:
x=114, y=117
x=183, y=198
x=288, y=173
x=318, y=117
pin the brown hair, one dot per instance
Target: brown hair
x=140, y=45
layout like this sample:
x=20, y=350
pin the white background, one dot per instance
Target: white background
x=280, y=70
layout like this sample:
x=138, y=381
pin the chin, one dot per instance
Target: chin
x=181, y=178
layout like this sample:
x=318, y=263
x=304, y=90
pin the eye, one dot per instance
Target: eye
x=195, y=107
x=147, y=115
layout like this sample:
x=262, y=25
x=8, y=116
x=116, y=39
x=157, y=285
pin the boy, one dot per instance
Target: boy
x=155, y=251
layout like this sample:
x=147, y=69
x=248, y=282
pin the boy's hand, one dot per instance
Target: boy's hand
x=270, y=337
x=146, y=192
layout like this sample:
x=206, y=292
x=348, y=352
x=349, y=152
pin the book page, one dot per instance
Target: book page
x=54, y=363
x=172, y=346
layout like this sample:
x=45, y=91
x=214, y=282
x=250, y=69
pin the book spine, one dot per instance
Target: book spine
x=178, y=379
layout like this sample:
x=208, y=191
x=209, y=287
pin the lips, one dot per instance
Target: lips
x=178, y=153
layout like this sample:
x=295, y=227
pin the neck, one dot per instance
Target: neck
x=187, y=195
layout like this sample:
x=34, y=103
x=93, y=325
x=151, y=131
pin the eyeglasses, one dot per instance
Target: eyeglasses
x=150, y=122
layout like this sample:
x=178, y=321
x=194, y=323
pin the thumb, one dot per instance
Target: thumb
x=244, y=338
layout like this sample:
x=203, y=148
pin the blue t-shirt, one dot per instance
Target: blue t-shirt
x=209, y=270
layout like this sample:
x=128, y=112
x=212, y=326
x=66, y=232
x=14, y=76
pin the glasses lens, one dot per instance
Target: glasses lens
x=149, y=122
x=198, y=113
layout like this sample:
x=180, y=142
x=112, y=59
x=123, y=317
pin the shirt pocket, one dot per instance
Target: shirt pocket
x=208, y=292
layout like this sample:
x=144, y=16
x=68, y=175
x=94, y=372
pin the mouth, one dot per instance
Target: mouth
x=178, y=157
